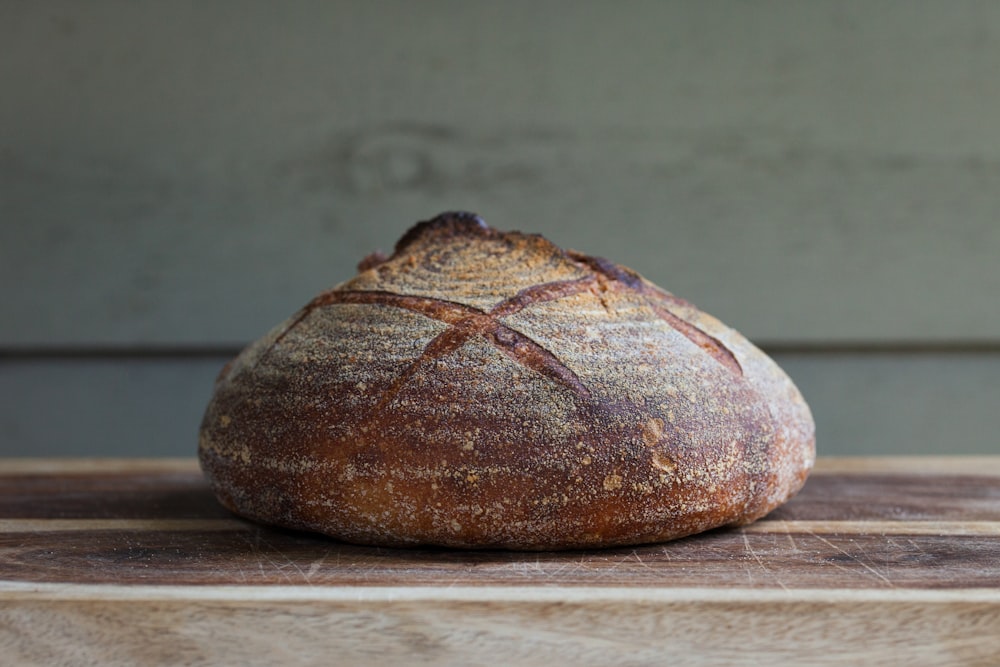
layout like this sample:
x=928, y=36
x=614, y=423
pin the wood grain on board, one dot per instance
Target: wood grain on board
x=875, y=556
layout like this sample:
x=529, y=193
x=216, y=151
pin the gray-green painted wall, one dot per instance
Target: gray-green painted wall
x=823, y=176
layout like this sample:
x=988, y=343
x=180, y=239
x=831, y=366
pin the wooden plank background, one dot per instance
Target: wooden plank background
x=176, y=178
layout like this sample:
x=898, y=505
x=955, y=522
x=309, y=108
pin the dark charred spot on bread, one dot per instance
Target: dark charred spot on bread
x=445, y=225
x=372, y=260
x=453, y=226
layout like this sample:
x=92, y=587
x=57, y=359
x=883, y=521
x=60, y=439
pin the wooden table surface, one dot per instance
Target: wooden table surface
x=876, y=561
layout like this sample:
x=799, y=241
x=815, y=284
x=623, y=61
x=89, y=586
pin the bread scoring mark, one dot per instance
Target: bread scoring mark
x=550, y=291
x=710, y=344
x=466, y=322
x=438, y=309
x=619, y=276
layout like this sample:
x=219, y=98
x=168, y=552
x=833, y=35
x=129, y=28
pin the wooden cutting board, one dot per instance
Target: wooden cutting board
x=876, y=561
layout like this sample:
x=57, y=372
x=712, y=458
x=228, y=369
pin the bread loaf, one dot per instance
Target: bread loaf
x=486, y=389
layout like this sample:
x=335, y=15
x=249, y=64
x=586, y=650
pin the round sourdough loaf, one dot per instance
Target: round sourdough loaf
x=486, y=389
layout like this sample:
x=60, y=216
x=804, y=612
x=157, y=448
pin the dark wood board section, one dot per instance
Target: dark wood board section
x=832, y=558
x=846, y=529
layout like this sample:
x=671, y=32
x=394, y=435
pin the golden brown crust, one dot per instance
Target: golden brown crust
x=485, y=389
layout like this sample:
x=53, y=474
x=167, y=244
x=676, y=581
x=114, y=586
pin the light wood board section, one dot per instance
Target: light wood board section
x=604, y=630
